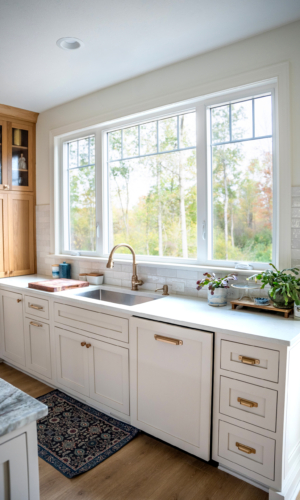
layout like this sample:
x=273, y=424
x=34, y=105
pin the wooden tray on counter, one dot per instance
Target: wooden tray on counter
x=58, y=285
x=268, y=307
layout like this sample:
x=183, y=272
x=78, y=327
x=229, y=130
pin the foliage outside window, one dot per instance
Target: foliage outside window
x=155, y=195
x=81, y=194
x=242, y=180
x=152, y=187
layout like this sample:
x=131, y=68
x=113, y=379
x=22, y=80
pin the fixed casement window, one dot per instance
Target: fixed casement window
x=79, y=195
x=153, y=187
x=195, y=183
x=241, y=163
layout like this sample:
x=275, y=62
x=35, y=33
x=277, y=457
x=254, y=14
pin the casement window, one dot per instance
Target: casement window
x=241, y=162
x=194, y=183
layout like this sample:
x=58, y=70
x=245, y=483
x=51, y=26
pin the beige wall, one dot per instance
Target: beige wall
x=178, y=82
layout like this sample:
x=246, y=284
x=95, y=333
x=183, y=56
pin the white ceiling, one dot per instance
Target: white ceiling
x=122, y=39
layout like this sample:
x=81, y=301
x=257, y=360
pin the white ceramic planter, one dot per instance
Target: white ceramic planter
x=219, y=298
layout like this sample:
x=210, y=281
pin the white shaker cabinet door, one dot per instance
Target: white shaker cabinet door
x=109, y=375
x=171, y=370
x=13, y=347
x=37, y=345
x=72, y=360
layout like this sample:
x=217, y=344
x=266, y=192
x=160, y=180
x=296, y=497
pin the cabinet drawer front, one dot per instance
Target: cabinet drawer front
x=37, y=345
x=250, y=360
x=91, y=321
x=37, y=307
x=249, y=403
x=247, y=449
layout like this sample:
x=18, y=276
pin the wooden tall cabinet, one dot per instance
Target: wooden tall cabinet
x=17, y=191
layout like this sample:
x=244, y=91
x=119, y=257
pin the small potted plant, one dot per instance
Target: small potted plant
x=217, y=288
x=284, y=287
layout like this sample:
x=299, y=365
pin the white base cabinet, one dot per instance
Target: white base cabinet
x=12, y=341
x=93, y=368
x=171, y=379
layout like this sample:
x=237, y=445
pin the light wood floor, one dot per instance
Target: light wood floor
x=145, y=469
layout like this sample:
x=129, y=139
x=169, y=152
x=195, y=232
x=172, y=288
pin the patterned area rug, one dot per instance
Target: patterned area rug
x=74, y=437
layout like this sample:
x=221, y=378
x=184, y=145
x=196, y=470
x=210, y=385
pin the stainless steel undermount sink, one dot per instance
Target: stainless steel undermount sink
x=126, y=299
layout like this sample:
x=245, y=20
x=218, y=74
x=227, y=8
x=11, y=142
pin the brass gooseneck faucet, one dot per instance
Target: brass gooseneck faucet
x=135, y=282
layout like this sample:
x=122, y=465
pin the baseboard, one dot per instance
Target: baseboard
x=244, y=478
x=290, y=491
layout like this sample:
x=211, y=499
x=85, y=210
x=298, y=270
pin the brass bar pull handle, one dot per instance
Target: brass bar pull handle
x=88, y=345
x=168, y=340
x=249, y=404
x=35, y=306
x=245, y=449
x=249, y=361
x=19, y=300
x=35, y=324
x=83, y=344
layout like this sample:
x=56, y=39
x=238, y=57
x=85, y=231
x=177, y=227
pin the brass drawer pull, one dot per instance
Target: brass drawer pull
x=245, y=449
x=249, y=404
x=19, y=300
x=83, y=344
x=249, y=361
x=88, y=345
x=168, y=340
x=35, y=306
x=35, y=324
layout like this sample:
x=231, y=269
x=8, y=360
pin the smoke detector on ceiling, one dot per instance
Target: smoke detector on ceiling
x=69, y=43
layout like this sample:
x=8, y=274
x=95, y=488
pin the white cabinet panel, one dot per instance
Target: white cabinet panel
x=172, y=377
x=14, y=469
x=37, y=346
x=250, y=360
x=236, y=443
x=37, y=307
x=13, y=347
x=72, y=361
x=248, y=403
x=109, y=375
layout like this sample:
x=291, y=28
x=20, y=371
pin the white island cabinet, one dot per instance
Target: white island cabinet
x=171, y=382
x=19, y=471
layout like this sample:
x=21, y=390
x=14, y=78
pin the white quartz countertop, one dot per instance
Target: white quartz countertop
x=17, y=409
x=183, y=311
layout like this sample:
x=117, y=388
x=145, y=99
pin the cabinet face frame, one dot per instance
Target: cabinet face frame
x=11, y=238
x=31, y=155
x=3, y=123
x=4, y=260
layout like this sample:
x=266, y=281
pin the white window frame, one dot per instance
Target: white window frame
x=281, y=178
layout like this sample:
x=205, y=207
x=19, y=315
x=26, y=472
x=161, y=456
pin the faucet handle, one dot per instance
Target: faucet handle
x=165, y=290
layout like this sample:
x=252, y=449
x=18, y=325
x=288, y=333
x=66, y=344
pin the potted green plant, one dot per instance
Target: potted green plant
x=284, y=286
x=217, y=288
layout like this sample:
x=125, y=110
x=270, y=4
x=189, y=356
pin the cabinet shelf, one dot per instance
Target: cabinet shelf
x=19, y=170
x=19, y=147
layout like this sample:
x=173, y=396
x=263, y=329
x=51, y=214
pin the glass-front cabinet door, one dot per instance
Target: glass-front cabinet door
x=20, y=156
x=3, y=155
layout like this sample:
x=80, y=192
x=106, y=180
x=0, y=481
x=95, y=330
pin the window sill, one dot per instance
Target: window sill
x=169, y=265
